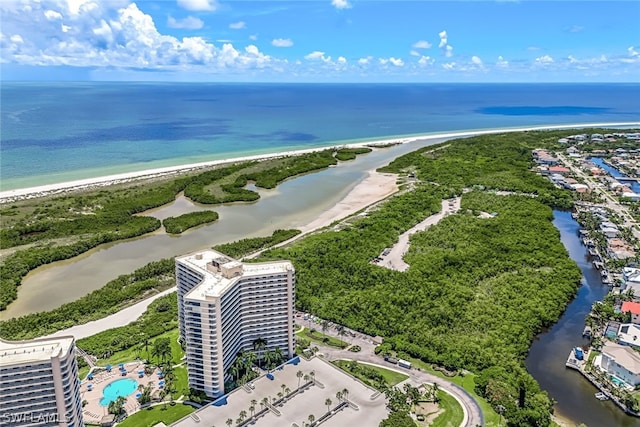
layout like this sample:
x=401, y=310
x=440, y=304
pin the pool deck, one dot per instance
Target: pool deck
x=93, y=411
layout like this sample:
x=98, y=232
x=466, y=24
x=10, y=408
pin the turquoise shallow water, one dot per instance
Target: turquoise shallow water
x=57, y=132
x=123, y=387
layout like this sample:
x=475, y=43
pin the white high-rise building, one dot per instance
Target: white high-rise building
x=39, y=383
x=224, y=306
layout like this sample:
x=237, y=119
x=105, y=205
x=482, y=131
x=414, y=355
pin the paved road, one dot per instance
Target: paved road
x=472, y=411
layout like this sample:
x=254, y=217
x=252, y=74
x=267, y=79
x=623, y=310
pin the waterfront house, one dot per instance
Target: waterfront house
x=629, y=335
x=559, y=170
x=572, y=150
x=634, y=309
x=622, y=362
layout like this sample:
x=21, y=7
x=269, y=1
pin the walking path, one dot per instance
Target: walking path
x=393, y=259
x=472, y=412
x=121, y=318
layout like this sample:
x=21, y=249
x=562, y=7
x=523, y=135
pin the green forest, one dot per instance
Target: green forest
x=478, y=288
x=243, y=247
x=178, y=224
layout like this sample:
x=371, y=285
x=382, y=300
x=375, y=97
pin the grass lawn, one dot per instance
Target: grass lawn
x=491, y=417
x=138, y=352
x=452, y=415
x=151, y=416
x=592, y=355
x=320, y=338
x=181, y=382
x=391, y=377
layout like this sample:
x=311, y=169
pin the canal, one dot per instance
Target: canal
x=546, y=360
x=598, y=161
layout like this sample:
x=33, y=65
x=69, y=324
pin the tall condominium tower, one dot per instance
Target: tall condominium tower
x=224, y=306
x=39, y=383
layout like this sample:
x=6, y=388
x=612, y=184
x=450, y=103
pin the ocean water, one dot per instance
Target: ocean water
x=56, y=132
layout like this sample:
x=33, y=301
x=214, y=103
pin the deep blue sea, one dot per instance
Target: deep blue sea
x=56, y=132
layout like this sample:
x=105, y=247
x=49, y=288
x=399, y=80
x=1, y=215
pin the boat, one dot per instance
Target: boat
x=601, y=396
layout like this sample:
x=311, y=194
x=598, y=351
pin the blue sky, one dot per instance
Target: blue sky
x=320, y=41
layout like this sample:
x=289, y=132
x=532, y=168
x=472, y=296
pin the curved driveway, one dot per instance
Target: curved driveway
x=472, y=411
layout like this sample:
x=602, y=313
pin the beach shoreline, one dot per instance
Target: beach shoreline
x=13, y=195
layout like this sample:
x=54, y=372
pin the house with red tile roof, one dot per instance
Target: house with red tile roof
x=634, y=309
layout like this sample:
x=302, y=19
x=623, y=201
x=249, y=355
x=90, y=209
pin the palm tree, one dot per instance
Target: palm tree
x=345, y=394
x=287, y=391
x=234, y=370
x=259, y=344
x=311, y=418
x=283, y=386
x=339, y=396
x=279, y=395
x=312, y=374
x=306, y=378
x=243, y=415
x=265, y=400
x=328, y=402
x=250, y=359
x=434, y=391
x=252, y=408
x=325, y=326
x=299, y=374
x=229, y=422
x=277, y=355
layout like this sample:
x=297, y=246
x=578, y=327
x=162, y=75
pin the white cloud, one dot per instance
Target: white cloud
x=253, y=37
x=545, y=59
x=16, y=38
x=342, y=60
x=238, y=25
x=448, y=52
x=188, y=23
x=52, y=15
x=317, y=56
x=197, y=5
x=632, y=51
x=502, y=63
x=533, y=48
x=341, y=4
x=443, y=38
x=103, y=34
x=449, y=65
x=398, y=62
x=425, y=60
x=422, y=44
x=414, y=53
x=365, y=61
x=282, y=42
x=476, y=60
x=572, y=59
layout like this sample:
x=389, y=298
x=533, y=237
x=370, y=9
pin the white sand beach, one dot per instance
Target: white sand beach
x=50, y=189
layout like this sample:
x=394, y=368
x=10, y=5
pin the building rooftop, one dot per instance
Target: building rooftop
x=38, y=350
x=624, y=355
x=220, y=271
x=633, y=307
x=629, y=334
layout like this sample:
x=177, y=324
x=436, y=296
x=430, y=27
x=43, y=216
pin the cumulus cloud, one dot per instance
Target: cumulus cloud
x=198, y=5
x=282, y=42
x=110, y=34
x=443, y=38
x=632, y=51
x=545, y=59
x=449, y=65
x=448, y=51
x=365, y=61
x=188, y=23
x=425, y=60
x=342, y=60
x=341, y=4
x=238, y=25
x=423, y=44
x=398, y=62
x=476, y=60
x=501, y=62
x=317, y=56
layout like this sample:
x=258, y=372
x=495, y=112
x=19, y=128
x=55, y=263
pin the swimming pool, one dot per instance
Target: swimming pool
x=123, y=387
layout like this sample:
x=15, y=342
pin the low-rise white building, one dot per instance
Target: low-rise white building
x=39, y=384
x=621, y=361
x=629, y=334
